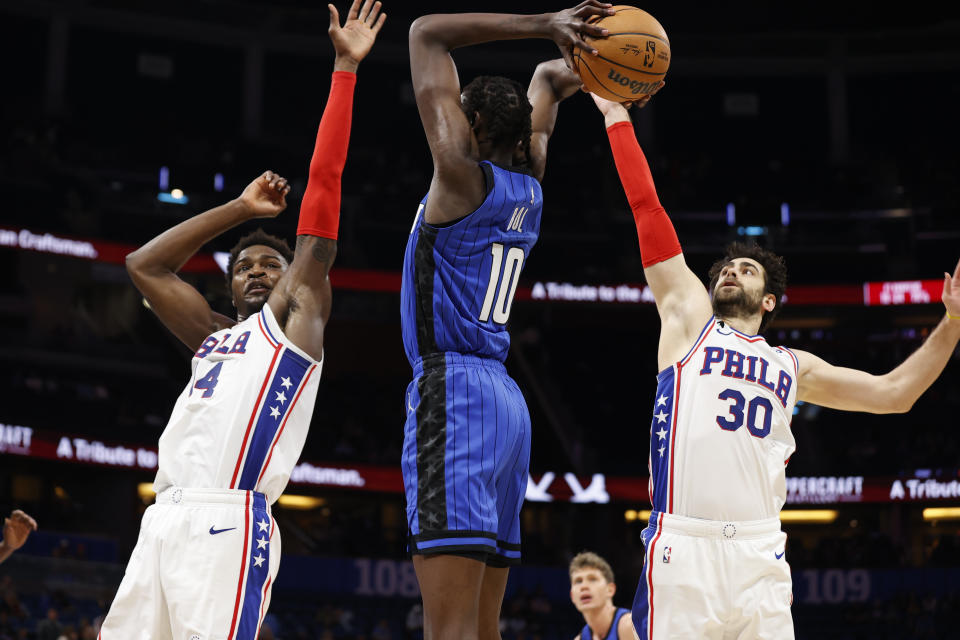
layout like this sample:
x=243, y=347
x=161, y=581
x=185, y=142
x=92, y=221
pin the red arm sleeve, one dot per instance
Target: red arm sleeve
x=320, y=209
x=658, y=238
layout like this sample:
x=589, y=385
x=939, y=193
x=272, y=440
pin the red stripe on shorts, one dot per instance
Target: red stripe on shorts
x=243, y=568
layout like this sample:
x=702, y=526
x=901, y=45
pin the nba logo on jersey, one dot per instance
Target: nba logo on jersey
x=666, y=554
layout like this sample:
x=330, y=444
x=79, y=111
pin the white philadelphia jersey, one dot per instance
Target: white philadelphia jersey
x=242, y=420
x=720, y=436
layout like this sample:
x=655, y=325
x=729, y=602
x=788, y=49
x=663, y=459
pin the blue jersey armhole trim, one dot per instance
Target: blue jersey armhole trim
x=461, y=220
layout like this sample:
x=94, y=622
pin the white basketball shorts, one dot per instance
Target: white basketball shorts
x=713, y=580
x=202, y=569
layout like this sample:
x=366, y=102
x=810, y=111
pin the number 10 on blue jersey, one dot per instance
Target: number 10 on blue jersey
x=504, y=275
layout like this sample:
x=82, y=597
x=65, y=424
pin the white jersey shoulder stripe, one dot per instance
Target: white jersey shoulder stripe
x=793, y=356
x=696, y=345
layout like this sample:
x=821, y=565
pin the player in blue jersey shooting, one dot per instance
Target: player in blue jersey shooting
x=466, y=444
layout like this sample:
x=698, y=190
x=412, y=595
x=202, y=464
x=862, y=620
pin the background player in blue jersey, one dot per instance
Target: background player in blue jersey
x=591, y=589
x=467, y=437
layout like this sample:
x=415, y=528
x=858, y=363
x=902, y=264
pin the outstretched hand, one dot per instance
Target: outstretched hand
x=618, y=111
x=951, y=292
x=354, y=39
x=568, y=27
x=266, y=196
x=17, y=528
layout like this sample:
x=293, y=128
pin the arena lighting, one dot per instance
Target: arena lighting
x=300, y=503
x=751, y=231
x=218, y=182
x=941, y=513
x=164, y=181
x=221, y=258
x=808, y=516
x=176, y=196
x=146, y=492
x=630, y=515
x=731, y=214
x=785, y=214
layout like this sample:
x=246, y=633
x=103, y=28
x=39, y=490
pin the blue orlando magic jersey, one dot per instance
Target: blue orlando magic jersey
x=613, y=634
x=459, y=279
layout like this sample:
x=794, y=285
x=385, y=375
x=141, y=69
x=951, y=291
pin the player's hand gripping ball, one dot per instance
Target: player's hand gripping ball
x=631, y=60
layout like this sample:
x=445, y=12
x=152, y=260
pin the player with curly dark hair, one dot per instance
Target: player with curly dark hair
x=466, y=447
x=720, y=436
x=503, y=104
x=256, y=237
x=774, y=283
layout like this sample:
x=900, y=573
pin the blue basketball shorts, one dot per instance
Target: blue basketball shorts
x=466, y=456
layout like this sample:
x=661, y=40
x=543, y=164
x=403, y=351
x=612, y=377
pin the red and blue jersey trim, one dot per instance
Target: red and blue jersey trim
x=254, y=581
x=696, y=345
x=291, y=371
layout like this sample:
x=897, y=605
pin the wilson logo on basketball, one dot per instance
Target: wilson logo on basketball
x=635, y=86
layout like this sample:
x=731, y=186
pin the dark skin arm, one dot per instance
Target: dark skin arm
x=552, y=82
x=457, y=187
x=154, y=266
x=301, y=298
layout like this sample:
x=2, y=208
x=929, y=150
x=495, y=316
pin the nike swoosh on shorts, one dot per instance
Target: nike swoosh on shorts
x=214, y=532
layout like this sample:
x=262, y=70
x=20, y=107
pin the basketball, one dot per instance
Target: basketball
x=631, y=60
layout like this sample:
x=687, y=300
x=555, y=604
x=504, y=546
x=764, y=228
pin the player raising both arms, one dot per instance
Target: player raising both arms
x=209, y=550
x=466, y=444
x=591, y=590
x=720, y=436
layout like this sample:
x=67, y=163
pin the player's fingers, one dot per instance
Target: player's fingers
x=581, y=44
x=592, y=3
x=567, y=53
x=334, y=17
x=354, y=10
x=21, y=518
x=286, y=190
x=374, y=12
x=379, y=25
x=365, y=10
x=594, y=30
x=956, y=272
x=587, y=10
x=281, y=184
